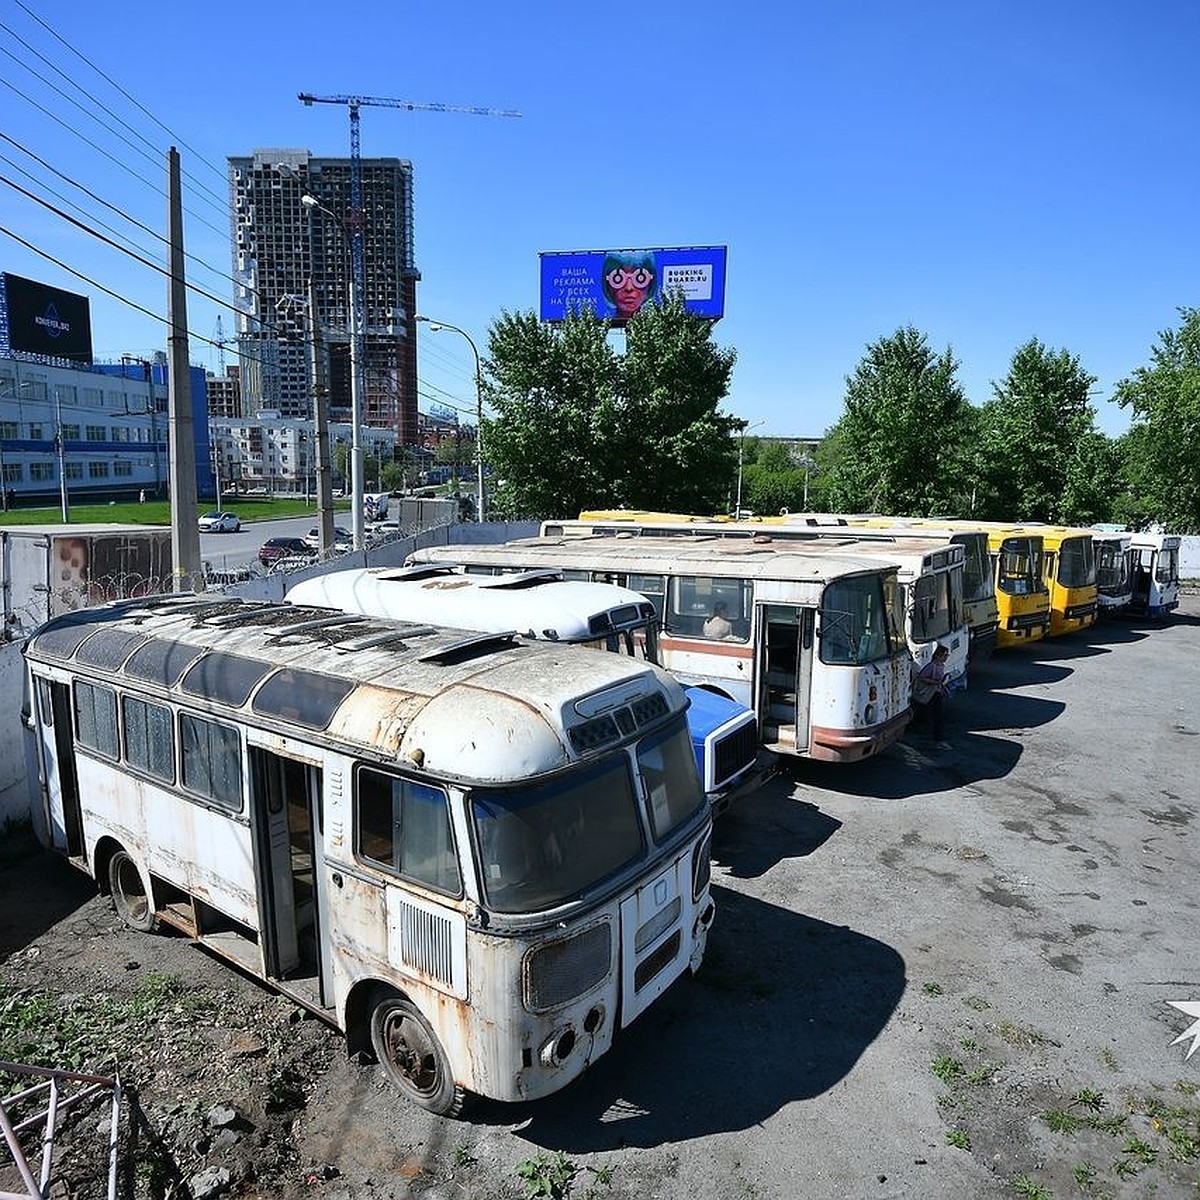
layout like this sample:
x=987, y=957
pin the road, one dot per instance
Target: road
x=226, y=551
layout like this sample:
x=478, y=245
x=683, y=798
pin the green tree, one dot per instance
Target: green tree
x=578, y=425
x=899, y=447
x=1038, y=436
x=1160, y=452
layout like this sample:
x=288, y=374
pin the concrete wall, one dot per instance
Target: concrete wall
x=1189, y=557
x=14, y=788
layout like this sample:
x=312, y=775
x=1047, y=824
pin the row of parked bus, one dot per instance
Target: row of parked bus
x=457, y=809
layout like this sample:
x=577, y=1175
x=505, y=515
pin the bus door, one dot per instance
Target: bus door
x=58, y=766
x=785, y=674
x=1143, y=574
x=289, y=863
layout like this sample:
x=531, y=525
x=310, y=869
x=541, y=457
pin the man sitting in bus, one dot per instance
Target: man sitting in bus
x=718, y=626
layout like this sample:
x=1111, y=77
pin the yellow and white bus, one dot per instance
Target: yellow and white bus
x=813, y=643
x=479, y=857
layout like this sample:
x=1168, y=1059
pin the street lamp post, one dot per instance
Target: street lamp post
x=356, y=396
x=737, y=510
x=434, y=327
x=62, y=457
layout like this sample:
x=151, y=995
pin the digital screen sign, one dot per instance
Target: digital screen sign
x=614, y=284
x=46, y=320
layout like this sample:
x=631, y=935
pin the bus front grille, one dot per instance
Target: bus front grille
x=558, y=972
x=656, y=962
x=426, y=943
x=734, y=753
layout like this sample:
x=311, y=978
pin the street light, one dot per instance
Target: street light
x=737, y=511
x=356, y=451
x=434, y=327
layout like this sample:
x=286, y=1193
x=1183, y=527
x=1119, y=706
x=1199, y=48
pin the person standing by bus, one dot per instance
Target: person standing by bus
x=929, y=692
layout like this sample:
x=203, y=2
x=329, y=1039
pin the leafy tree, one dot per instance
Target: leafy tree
x=1160, y=452
x=1038, y=436
x=899, y=447
x=579, y=426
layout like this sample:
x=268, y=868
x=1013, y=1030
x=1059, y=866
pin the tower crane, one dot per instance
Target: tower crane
x=220, y=341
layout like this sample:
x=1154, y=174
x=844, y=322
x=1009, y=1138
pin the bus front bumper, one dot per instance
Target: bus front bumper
x=851, y=745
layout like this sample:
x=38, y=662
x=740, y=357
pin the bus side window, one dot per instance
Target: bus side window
x=96, y=718
x=404, y=826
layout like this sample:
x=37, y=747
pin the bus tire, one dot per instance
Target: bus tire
x=130, y=899
x=412, y=1056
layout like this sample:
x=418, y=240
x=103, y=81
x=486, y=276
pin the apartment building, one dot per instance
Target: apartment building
x=279, y=243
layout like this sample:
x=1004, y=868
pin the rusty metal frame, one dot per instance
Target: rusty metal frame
x=51, y=1081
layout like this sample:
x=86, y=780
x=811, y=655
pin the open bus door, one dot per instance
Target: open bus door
x=60, y=781
x=785, y=675
x=290, y=863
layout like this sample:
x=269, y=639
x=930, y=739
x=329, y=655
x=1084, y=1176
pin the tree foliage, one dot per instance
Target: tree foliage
x=1041, y=458
x=1161, y=452
x=578, y=425
x=899, y=447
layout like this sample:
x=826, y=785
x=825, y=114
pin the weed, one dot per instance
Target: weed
x=601, y=1178
x=977, y=1003
x=1187, y=1087
x=982, y=1073
x=463, y=1158
x=1024, y=1186
x=1108, y=1059
x=1089, y=1098
x=1060, y=1121
x=959, y=1138
x=970, y=1046
x=547, y=1175
x=1126, y=1167
x=946, y=1068
x=1181, y=1145
x=931, y=988
x=1084, y=1175
x=1142, y=1151
x=1017, y=1035
x=947, y=1100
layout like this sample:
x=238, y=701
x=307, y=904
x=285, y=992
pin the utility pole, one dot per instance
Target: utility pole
x=320, y=435
x=185, y=534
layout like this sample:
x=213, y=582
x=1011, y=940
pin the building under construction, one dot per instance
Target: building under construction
x=279, y=243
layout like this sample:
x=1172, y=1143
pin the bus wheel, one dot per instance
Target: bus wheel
x=412, y=1056
x=129, y=895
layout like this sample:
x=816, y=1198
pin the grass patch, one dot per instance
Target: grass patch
x=931, y=988
x=960, y=1139
x=1108, y=1059
x=158, y=512
x=1084, y=1176
x=976, y=1003
x=983, y=1073
x=1061, y=1121
x=1024, y=1186
x=970, y=1046
x=1088, y=1098
x=947, y=1068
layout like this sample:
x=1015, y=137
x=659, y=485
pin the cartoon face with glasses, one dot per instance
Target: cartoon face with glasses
x=630, y=279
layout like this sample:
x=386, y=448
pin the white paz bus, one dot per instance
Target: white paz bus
x=478, y=856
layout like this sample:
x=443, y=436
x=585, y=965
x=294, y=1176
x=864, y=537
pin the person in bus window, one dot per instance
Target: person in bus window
x=718, y=626
x=929, y=691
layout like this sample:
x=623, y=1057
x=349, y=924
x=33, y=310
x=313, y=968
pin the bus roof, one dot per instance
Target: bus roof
x=539, y=604
x=748, y=558
x=462, y=705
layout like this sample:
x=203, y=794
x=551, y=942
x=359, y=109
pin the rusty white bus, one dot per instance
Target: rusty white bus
x=978, y=604
x=543, y=605
x=813, y=643
x=1155, y=573
x=931, y=567
x=479, y=857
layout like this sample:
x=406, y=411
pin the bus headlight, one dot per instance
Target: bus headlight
x=701, y=865
x=869, y=714
x=558, y=1047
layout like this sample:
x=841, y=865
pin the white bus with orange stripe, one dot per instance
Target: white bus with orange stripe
x=815, y=641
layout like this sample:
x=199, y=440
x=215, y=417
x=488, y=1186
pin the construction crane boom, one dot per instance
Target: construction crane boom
x=409, y=105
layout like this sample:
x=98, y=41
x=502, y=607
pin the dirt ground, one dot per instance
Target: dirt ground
x=941, y=974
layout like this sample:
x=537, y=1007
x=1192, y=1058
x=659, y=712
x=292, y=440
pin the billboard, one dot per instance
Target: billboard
x=46, y=320
x=614, y=284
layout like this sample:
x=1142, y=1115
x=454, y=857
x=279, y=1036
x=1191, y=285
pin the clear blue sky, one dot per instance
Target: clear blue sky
x=986, y=174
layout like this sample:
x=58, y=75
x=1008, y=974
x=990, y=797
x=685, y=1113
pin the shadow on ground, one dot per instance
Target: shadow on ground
x=768, y=826
x=37, y=890
x=781, y=1010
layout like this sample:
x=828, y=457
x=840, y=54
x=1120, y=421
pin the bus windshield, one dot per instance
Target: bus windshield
x=1167, y=568
x=977, y=568
x=1020, y=569
x=667, y=765
x=1112, y=566
x=539, y=847
x=1076, y=565
x=857, y=625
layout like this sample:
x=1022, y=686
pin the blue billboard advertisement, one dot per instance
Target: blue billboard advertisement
x=614, y=284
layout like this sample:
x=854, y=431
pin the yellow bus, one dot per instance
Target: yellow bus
x=1069, y=570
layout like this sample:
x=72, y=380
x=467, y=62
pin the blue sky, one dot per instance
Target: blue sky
x=986, y=174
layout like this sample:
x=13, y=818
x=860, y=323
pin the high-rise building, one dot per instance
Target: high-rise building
x=279, y=243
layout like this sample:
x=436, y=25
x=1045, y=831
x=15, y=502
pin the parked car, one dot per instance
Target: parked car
x=343, y=539
x=284, y=547
x=219, y=522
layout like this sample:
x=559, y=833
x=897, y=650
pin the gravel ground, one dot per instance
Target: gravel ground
x=940, y=974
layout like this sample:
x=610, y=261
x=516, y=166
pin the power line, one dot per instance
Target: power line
x=113, y=83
